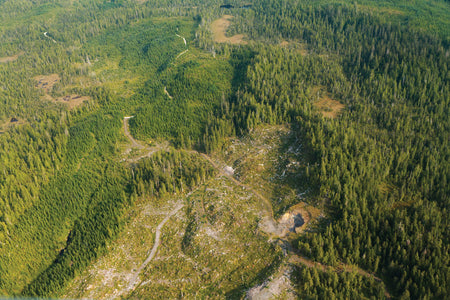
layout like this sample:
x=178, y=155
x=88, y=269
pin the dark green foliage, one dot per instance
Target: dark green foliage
x=314, y=284
x=171, y=172
x=196, y=91
x=88, y=236
x=381, y=168
x=64, y=198
x=384, y=164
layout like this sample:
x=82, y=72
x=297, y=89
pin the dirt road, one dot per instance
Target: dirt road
x=135, y=280
x=134, y=143
x=270, y=226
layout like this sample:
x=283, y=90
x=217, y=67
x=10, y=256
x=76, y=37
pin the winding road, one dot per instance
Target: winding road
x=46, y=35
x=182, y=38
x=134, y=143
x=135, y=277
x=271, y=227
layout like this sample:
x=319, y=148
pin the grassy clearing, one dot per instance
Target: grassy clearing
x=9, y=124
x=47, y=83
x=382, y=10
x=6, y=59
x=219, y=28
x=328, y=107
x=299, y=47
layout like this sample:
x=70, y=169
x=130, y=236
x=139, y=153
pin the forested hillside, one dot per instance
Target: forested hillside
x=363, y=88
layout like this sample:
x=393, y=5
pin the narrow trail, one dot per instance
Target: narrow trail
x=46, y=35
x=182, y=38
x=134, y=143
x=292, y=256
x=137, y=145
x=167, y=93
x=182, y=53
x=135, y=277
x=185, y=43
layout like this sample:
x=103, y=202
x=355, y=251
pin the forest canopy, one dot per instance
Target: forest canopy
x=364, y=86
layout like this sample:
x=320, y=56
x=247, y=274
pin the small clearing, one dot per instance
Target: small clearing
x=73, y=100
x=6, y=59
x=298, y=47
x=10, y=123
x=328, y=107
x=219, y=28
x=46, y=82
x=382, y=10
x=296, y=219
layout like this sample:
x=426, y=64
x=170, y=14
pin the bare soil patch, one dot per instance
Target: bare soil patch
x=6, y=59
x=328, y=107
x=219, y=28
x=73, y=100
x=297, y=218
x=46, y=82
x=5, y=125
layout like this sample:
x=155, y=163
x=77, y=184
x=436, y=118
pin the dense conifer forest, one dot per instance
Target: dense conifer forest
x=378, y=161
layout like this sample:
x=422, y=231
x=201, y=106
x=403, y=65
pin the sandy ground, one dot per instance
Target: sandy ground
x=46, y=83
x=219, y=28
x=6, y=59
x=4, y=126
x=328, y=107
x=73, y=100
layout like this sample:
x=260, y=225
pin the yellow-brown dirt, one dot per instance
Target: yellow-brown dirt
x=307, y=212
x=46, y=82
x=6, y=59
x=328, y=107
x=219, y=28
x=73, y=100
x=4, y=126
